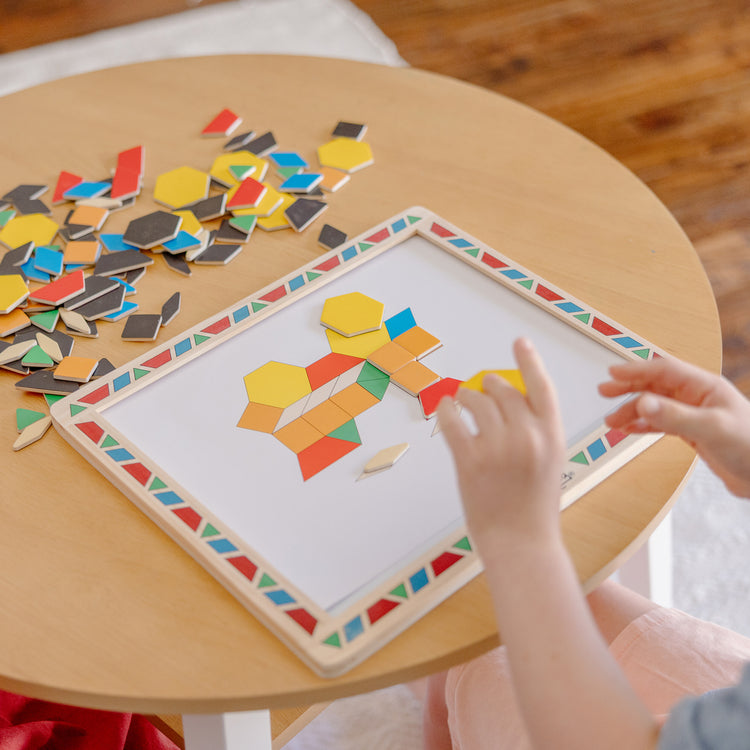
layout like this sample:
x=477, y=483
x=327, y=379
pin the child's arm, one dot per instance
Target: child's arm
x=571, y=692
x=704, y=409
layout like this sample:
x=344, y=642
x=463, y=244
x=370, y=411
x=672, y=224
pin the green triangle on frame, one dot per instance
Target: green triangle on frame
x=414, y=219
x=139, y=373
x=400, y=591
x=210, y=530
x=348, y=431
x=257, y=306
x=580, y=458
x=583, y=317
x=311, y=275
x=76, y=409
x=200, y=338
x=109, y=442
x=365, y=246
x=266, y=581
x=333, y=640
x=642, y=353
x=473, y=251
x=463, y=544
x=528, y=283
x=157, y=484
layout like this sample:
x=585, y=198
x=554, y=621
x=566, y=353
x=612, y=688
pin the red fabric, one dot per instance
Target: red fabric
x=28, y=724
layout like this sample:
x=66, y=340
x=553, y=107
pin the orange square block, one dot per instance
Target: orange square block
x=326, y=417
x=260, y=417
x=90, y=216
x=414, y=377
x=298, y=435
x=82, y=251
x=76, y=369
x=390, y=357
x=354, y=399
x=418, y=342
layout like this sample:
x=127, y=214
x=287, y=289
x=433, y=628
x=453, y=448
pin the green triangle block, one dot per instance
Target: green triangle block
x=583, y=317
x=369, y=372
x=266, y=581
x=240, y=171
x=286, y=172
x=25, y=417
x=109, y=441
x=257, y=306
x=400, y=591
x=580, y=458
x=199, y=338
x=52, y=398
x=46, y=320
x=463, y=544
x=376, y=387
x=76, y=409
x=348, y=431
x=210, y=531
x=37, y=357
x=473, y=251
x=364, y=246
x=312, y=276
x=138, y=373
x=157, y=484
x=414, y=219
x=642, y=353
x=6, y=216
x=528, y=283
x=243, y=223
x=333, y=640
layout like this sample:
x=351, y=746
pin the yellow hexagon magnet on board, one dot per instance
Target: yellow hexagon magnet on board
x=345, y=154
x=512, y=377
x=277, y=384
x=36, y=228
x=357, y=346
x=13, y=291
x=352, y=314
x=181, y=186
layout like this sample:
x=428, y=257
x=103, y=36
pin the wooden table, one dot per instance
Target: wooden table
x=100, y=608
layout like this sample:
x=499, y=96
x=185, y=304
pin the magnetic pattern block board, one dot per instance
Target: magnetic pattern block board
x=335, y=567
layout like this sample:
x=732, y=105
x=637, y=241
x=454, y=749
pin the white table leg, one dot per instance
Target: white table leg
x=243, y=730
x=649, y=571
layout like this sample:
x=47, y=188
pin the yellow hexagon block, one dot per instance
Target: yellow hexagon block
x=220, y=169
x=345, y=154
x=36, y=228
x=190, y=223
x=352, y=314
x=358, y=346
x=181, y=186
x=13, y=291
x=277, y=384
x=512, y=377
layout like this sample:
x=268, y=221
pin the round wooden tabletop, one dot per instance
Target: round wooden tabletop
x=100, y=607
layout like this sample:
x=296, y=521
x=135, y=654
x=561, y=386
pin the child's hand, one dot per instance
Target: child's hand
x=704, y=409
x=509, y=472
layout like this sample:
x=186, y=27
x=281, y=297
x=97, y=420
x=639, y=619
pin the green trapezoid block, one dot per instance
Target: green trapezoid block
x=333, y=640
x=580, y=458
x=210, y=530
x=266, y=581
x=400, y=591
x=76, y=409
x=348, y=431
x=109, y=442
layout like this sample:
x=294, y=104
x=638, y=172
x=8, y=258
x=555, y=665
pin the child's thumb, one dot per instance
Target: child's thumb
x=672, y=417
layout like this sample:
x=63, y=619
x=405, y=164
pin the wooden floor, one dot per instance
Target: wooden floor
x=663, y=85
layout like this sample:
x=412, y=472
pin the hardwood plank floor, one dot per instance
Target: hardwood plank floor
x=663, y=86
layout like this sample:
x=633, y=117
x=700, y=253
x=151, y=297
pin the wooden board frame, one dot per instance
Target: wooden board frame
x=330, y=644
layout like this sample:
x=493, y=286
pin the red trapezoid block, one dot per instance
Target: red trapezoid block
x=329, y=367
x=138, y=471
x=132, y=159
x=492, y=261
x=327, y=265
x=303, y=618
x=441, y=231
x=160, y=359
x=245, y=566
x=383, y=234
x=604, y=328
x=429, y=397
x=322, y=454
x=95, y=396
x=380, y=609
x=614, y=437
x=274, y=294
x=443, y=562
x=218, y=326
x=548, y=294
x=65, y=182
x=189, y=516
x=91, y=430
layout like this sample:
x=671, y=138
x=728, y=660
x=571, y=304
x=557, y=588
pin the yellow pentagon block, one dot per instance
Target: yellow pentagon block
x=357, y=346
x=181, y=186
x=345, y=154
x=352, y=314
x=190, y=223
x=513, y=377
x=221, y=173
x=36, y=228
x=271, y=201
x=277, y=384
x=13, y=291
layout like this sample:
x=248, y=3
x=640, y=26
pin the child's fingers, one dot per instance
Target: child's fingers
x=453, y=427
x=482, y=408
x=670, y=416
x=509, y=402
x=622, y=416
x=540, y=393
